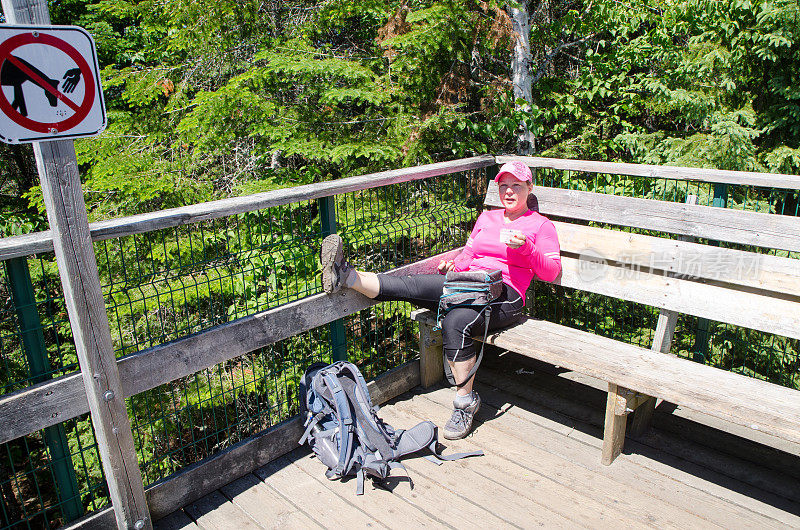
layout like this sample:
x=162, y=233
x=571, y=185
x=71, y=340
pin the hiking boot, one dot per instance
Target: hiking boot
x=335, y=268
x=460, y=423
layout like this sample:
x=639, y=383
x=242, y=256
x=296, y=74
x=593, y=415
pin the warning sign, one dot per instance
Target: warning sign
x=49, y=84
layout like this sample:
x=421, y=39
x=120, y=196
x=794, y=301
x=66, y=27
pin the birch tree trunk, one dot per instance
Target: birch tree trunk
x=521, y=72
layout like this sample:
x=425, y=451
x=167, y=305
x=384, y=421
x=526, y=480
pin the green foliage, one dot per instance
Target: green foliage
x=214, y=98
x=206, y=98
x=696, y=83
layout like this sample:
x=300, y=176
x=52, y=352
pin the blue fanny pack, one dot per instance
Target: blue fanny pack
x=476, y=289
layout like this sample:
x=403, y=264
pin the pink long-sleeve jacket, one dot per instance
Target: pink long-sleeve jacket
x=539, y=256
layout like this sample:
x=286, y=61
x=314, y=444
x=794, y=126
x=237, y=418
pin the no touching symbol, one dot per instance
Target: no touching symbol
x=17, y=111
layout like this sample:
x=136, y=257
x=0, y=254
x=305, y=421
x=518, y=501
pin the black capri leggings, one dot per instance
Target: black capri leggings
x=461, y=323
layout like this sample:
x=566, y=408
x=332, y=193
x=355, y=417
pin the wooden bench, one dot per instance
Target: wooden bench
x=747, y=289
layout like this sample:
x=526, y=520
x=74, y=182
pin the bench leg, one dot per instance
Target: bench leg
x=614, y=432
x=642, y=417
x=662, y=342
x=430, y=355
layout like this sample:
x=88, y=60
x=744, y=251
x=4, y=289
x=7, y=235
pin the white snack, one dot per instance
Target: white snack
x=507, y=233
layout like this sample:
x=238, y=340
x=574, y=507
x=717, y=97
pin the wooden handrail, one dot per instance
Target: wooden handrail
x=40, y=242
x=716, y=176
x=26, y=245
x=39, y=406
x=63, y=398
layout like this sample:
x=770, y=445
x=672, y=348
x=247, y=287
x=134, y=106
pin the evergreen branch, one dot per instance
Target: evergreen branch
x=651, y=9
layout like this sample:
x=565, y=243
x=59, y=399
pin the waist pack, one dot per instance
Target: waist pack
x=477, y=289
x=345, y=432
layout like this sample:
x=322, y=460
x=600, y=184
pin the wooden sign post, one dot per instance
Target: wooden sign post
x=77, y=265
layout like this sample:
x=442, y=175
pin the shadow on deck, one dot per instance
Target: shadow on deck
x=541, y=430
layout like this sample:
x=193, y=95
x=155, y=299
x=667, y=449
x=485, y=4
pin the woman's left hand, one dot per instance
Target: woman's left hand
x=516, y=241
x=446, y=266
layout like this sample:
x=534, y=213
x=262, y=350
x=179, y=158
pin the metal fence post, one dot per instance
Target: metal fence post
x=491, y=172
x=338, y=337
x=702, y=334
x=19, y=279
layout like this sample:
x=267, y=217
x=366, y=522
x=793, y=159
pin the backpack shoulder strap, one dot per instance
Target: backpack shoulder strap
x=426, y=435
x=314, y=399
x=357, y=377
x=345, y=420
x=365, y=424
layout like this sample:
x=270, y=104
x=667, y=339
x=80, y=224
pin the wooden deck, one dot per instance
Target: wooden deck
x=541, y=431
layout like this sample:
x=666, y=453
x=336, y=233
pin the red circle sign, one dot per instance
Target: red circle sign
x=81, y=111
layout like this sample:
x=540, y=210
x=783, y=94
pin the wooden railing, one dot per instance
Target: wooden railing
x=55, y=401
x=714, y=176
x=61, y=399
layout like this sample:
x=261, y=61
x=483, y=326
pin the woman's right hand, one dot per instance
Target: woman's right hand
x=446, y=266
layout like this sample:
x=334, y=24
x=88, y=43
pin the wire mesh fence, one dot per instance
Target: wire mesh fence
x=51, y=477
x=189, y=419
x=167, y=284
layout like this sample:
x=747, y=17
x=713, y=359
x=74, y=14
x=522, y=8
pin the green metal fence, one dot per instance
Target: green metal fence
x=32, y=324
x=166, y=284
x=163, y=285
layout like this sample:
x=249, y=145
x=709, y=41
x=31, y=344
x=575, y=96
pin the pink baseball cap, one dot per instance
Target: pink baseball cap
x=516, y=169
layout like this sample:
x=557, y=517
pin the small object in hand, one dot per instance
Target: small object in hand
x=507, y=233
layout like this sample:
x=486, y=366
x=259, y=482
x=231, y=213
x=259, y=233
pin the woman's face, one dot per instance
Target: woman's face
x=514, y=194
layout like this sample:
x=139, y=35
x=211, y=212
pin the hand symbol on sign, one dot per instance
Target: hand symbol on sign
x=71, y=79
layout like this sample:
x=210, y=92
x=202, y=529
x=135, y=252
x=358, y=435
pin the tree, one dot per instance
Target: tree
x=521, y=73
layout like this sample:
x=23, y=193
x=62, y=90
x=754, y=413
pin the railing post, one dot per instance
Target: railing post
x=77, y=266
x=19, y=279
x=338, y=338
x=702, y=333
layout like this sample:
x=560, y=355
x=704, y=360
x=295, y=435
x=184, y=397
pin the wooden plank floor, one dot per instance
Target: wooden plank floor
x=541, y=431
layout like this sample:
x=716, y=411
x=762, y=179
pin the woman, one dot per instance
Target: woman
x=519, y=242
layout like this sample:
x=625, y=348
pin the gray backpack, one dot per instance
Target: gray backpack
x=345, y=432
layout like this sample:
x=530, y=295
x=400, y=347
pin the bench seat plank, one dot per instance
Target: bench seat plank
x=733, y=397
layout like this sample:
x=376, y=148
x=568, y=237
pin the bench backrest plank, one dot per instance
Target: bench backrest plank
x=694, y=174
x=752, y=310
x=762, y=272
x=721, y=224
